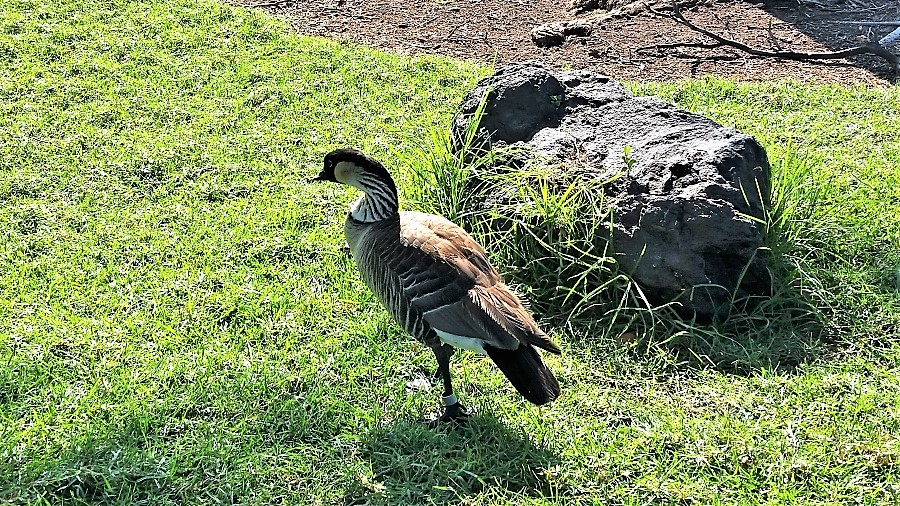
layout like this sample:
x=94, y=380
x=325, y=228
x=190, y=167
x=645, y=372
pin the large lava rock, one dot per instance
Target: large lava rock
x=688, y=188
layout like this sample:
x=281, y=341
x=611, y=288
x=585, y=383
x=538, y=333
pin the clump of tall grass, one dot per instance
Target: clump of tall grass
x=549, y=229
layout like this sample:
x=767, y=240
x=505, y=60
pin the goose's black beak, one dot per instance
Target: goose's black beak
x=320, y=177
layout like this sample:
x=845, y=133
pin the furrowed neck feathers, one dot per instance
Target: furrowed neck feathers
x=379, y=200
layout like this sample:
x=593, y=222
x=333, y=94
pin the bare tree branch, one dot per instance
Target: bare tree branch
x=871, y=48
x=868, y=23
x=676, y=45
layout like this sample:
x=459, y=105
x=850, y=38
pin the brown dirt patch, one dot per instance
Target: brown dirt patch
x=499, y=31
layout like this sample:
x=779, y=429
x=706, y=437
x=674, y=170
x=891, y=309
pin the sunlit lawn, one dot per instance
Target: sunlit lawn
x=180, y=325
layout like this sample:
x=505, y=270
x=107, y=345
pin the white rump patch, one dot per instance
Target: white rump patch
x=466, y=343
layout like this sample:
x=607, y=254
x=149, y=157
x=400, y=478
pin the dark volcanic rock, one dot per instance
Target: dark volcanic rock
x=686, y=185
x=530, y=98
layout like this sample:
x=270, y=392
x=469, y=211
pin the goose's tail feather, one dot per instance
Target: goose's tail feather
x=527, y=372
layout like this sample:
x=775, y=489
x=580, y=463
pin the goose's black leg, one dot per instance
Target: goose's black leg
x=453, y=410
x=438, y=374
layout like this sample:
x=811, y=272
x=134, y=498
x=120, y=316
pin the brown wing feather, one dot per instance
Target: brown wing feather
x=491, y=311
x=505, y=308
x=447, y=242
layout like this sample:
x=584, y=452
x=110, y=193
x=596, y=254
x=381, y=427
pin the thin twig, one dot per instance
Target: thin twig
x=725, y=24
x=426, y=23
x=772, y=40
x=692, y=57
x=870, y=48
x=454, y=29
x=274, y=3
x=345, y=13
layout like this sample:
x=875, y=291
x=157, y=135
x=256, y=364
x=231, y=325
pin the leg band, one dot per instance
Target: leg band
x=450, y=400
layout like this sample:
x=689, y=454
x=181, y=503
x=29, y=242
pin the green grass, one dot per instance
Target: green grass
x=179, y=323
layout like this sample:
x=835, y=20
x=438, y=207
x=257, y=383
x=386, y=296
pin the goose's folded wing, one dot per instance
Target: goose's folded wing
x=494, y=315
x=457, y=289
x=444, y=242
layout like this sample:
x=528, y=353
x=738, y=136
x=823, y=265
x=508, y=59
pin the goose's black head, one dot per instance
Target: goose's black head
x=353, y=167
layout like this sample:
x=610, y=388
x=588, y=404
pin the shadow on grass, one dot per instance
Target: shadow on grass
x=777, y=333
x=412, y=464
x=98, y=476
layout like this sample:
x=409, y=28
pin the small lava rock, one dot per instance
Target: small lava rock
x=549, y=34
x=554, y=34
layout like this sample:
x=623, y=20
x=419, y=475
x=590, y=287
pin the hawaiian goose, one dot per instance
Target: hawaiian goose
x=437, y=283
